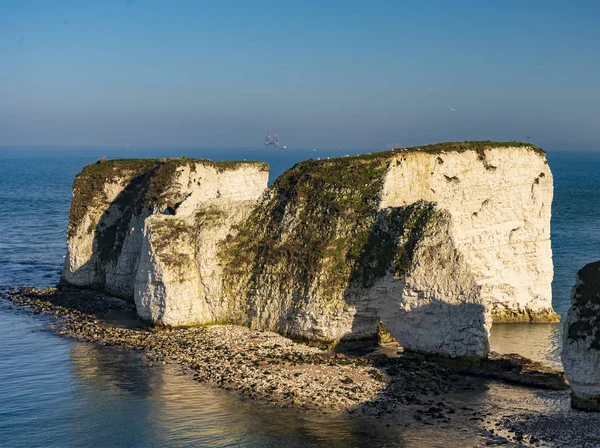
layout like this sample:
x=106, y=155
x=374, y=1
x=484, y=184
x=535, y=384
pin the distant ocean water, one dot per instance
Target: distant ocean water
x=47, y=382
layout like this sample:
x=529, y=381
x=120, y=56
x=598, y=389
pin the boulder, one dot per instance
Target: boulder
x=581, y=340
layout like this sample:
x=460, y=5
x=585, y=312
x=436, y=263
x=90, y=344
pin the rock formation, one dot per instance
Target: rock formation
x=435, y=242
x=581, y=340
x=120, y=206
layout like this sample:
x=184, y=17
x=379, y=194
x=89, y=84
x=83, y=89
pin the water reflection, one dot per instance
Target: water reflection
x=540, y=342
x=56, y=392
x=119, y=398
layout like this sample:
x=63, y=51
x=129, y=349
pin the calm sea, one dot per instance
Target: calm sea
x=56, y=392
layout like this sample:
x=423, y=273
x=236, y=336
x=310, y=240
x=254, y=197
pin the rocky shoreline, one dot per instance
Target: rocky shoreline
x=258, y=364
x=380, y=383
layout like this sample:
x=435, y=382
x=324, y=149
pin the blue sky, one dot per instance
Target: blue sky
x=351, y=74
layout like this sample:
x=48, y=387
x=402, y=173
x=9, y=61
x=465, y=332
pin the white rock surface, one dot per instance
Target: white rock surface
x=500, y=201
x=581, y=340
x=83, y=266
x=193, y=185
x=439, y=308
x=180, y=284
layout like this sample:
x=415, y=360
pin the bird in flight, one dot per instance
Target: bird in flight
x=452, y=109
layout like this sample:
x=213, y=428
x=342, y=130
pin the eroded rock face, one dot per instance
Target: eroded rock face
x=179, y=277
x=581, y=340
x=117, y=203
x=434, y=242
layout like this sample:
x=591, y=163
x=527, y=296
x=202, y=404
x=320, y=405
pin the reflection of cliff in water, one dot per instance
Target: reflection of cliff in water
x=105, y=396
x=123, y=400
x=159, y=406
x=119, y=399
x=540, y=342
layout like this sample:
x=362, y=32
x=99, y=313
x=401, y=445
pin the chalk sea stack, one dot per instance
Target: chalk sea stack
x=437, y=242
x=581, y=340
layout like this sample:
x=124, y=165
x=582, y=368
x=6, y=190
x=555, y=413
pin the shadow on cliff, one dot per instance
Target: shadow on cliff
x=437, y=328
x=378, y=290
x=114, y=226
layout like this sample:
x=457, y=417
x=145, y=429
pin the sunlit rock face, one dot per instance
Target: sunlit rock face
x=500, y=201
x=435, y=242
x=581, y=340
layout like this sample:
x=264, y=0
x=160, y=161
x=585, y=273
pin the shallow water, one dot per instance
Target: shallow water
x=57, y=392
x=540, y=342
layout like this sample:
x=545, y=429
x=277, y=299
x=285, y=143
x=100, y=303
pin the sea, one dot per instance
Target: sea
x=56, y=392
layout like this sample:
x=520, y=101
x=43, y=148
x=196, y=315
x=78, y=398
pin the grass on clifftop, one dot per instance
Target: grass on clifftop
x=89, y=183
x=439, y=148
x=154, y=177
x=314, y=213
x=474, y=145
x=319, y=230
x=88, y=186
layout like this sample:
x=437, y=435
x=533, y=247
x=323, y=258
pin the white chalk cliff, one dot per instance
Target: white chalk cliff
x=581, y=340
x=117, y=203
x=500, y=201
x=437, y=242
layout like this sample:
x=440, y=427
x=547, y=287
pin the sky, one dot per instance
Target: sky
x=325, y=74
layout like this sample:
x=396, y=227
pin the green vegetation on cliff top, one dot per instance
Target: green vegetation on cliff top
x=439, y=148
x=90, y=182
x=445, y=147
x=147, y=180
x=319, y=226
